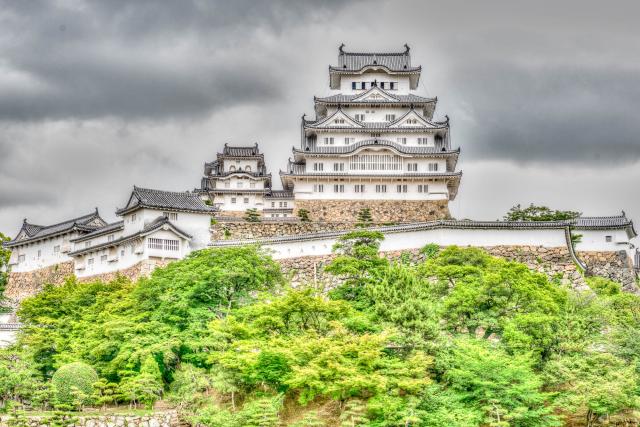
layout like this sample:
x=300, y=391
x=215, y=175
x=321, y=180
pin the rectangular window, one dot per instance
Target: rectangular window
x=233, y=200
x=348, y=141
x=353, y=85
x=412, y=167
x=39, y=253
x=402, y=141
x=433, y=167
x=359, y=188
x=401, y=188
x=390, y=117
x=133, y=218
x=608, y=239
x=122, y=252
x=252, y=185
x=87, y=244
x=338, y=188
x=110, y=238
x=56, y=249
x=338, y=167
x=172, y=216
x=273, y=204
x=423, y=141
x=318, y=167
x=285, y=204
x=163, y=244
x=90, y=261
x=103, y=258
x=328, y=140
x=382, y=85
x=246, y=200
x=363, y=85
x=392, y=85
x=423, y=188
x=381, y=188
x=21, y=258
x=360, y=117
x=318, y=188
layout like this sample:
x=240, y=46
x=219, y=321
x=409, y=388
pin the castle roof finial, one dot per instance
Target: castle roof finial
x=341, y=48
x=407, y=48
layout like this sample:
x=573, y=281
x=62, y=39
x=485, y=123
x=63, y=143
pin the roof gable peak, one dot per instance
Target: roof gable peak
x=375, y=94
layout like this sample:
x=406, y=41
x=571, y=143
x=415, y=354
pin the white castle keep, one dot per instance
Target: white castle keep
x=373, y=145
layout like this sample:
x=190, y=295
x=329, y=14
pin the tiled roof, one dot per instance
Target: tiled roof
x=148, y=198
x=241, y=151
x=32, y=232
x=279, y=194
x=393, y=61
x=346, y=99
x=109, y=228
x=149, y=228
x=368, y=126
x=606, y=222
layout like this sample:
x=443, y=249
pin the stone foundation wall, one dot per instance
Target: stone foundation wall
x=616, y=266
x=23, y=285
x=142, y=269
x=164, y=419
x=239, y=230
x=381, y=210
x=554, y=262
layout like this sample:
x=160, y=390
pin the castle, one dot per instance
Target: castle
x=374, y=145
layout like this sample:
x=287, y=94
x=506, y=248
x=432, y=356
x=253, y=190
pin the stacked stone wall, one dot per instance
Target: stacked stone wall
x=26, y=284
x=394, y=211
x=616, y=266
x=158, y=419
x=142, y=269
x=553, y=262
x=240, y=230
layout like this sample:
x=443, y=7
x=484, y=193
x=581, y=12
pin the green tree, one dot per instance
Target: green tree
x=539, y=213
x=252, y=215
x=364, y=218
x=73, y=384
x=303, y=214
x=5, y=254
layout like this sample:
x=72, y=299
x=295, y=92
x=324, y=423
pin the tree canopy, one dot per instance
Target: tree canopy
x=539, y=213
x=451, y=337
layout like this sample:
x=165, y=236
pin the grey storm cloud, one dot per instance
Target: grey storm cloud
x=96, y=96
x=143, y=59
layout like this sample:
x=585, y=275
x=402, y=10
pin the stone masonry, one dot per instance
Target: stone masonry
x=157, y=419
x=393, y=211
x=23, y=285
x=616, y=266
x=241, y=230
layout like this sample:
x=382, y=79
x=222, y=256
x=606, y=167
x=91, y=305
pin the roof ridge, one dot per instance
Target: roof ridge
x=71, y=220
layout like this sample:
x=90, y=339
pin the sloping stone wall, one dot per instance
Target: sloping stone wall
x=240, y=230
x=616, y=266
x=554, y=262
x=142, y=269
x=23, y=285
x=161, y=419
x=395, y=211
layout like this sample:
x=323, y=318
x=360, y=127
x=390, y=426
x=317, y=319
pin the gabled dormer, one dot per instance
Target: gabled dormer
x=375, y=94
x=412, y=120
x=338, y=119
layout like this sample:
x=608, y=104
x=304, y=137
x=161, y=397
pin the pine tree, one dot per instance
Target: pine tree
x=252, y=215
x=303, y=214
x=364, y=218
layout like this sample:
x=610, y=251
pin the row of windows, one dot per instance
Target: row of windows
x=239, y=184
x=330, y=140
x=280, y=204
x=246, y=169
x=163, y=244
x=375, y=162
x=379, y=188
x=368, y=85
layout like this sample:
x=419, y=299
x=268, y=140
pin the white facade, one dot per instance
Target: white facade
x=373, y=130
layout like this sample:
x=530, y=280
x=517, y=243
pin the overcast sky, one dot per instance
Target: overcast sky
x=95, y=97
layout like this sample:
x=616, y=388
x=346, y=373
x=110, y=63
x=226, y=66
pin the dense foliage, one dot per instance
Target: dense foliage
x=4, y=270
x=539, y=213
x=453, y=337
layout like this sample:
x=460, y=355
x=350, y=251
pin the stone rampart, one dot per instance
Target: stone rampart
x=158, y=419
x=616, y=266
x=23, y=285
x=241, y=230
x=553, y=262
x=142, y=269
x=381, y=210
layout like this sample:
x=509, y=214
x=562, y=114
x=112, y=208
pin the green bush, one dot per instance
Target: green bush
x=73, y=384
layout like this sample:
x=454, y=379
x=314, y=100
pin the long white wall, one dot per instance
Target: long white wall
x=41, y=253
x=396, y=241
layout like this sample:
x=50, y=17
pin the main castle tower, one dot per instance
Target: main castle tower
x=374, y=144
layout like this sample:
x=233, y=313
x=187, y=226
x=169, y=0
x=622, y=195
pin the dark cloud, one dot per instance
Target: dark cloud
x=96, y=96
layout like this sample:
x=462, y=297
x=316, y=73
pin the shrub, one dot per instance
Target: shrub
x=303, y=214
x=73, y=384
